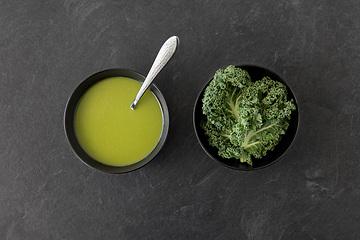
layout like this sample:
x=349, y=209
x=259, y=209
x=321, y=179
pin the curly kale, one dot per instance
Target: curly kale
x=245, y=119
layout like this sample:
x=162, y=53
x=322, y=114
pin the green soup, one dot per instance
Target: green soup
x=109, y=131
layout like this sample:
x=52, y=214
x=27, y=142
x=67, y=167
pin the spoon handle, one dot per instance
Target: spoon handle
x=164, y=55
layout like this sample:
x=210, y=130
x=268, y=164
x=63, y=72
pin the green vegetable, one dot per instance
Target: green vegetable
x=245, y=119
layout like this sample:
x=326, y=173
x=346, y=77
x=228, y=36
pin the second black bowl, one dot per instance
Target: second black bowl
x=256, y=73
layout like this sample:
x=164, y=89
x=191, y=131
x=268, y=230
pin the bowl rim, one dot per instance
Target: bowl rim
x=295, y=114
x=72, y=103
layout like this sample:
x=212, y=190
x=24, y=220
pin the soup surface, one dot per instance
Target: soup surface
x=109, y=131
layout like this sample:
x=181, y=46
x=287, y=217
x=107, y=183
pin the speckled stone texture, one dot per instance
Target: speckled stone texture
x=48, y=47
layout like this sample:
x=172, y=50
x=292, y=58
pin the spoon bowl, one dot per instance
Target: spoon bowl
x=70, y=111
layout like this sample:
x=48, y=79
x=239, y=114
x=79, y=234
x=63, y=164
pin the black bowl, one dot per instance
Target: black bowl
x=256, y=73
x=71, y=109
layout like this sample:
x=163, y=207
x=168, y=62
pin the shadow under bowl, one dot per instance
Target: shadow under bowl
x=70, y=111
x=256, y=73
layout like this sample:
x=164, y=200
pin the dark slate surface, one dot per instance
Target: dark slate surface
x=48, y=47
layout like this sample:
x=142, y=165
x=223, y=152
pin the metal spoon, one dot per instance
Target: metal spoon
x=164, y=55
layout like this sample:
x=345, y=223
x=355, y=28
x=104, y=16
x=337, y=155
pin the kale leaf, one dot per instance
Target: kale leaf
x=245, y=119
